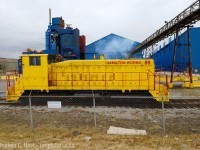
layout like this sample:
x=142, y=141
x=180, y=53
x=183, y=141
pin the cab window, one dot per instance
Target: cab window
x=34, y=60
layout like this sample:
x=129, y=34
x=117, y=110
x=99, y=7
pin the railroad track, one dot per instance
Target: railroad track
x=183, y=103
x=144, y=104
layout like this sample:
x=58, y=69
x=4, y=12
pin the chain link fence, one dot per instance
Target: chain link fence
x=180, y=116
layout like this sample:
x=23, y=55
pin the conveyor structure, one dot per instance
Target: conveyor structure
x=186, y=18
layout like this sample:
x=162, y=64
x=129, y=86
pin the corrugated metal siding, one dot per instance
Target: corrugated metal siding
x=112, y=46
x=163, y=58
x=195, y=45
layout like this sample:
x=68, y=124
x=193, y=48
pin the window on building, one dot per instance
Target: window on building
x=35, y=60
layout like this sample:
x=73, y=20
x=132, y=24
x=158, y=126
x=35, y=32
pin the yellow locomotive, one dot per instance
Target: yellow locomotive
x=122, y=76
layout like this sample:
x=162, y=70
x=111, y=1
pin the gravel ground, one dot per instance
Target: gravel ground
x=184, y=92
x=183, y=121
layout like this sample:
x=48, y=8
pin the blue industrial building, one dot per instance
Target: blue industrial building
x=163, y=57
x=61, y=40
x=111, y=46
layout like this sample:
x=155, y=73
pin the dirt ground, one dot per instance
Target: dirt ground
x=88, y=138
x=73, y=128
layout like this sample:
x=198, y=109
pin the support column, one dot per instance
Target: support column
x=174, y=59
x=152, y=51
x=146, y=53
x=189, y=65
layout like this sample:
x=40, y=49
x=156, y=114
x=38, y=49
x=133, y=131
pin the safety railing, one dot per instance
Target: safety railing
x=10, y=80
x=54, y=78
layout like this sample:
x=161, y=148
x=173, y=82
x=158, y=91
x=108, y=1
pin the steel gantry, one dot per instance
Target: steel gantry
x=188, y=17
x=183, y=20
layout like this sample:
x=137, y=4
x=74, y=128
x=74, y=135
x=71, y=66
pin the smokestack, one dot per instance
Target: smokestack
x=49, y=16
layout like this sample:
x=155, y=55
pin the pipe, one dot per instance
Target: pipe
x=49, y=16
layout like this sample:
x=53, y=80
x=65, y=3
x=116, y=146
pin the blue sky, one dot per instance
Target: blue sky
x=23, y=22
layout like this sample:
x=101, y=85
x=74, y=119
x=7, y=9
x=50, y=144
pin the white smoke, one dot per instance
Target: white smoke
x=115, y=47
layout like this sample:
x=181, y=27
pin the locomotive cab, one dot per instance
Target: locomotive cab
x=34, y=76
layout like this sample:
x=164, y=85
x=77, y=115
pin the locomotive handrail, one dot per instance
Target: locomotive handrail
x=54, y=82
x=10, y=81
